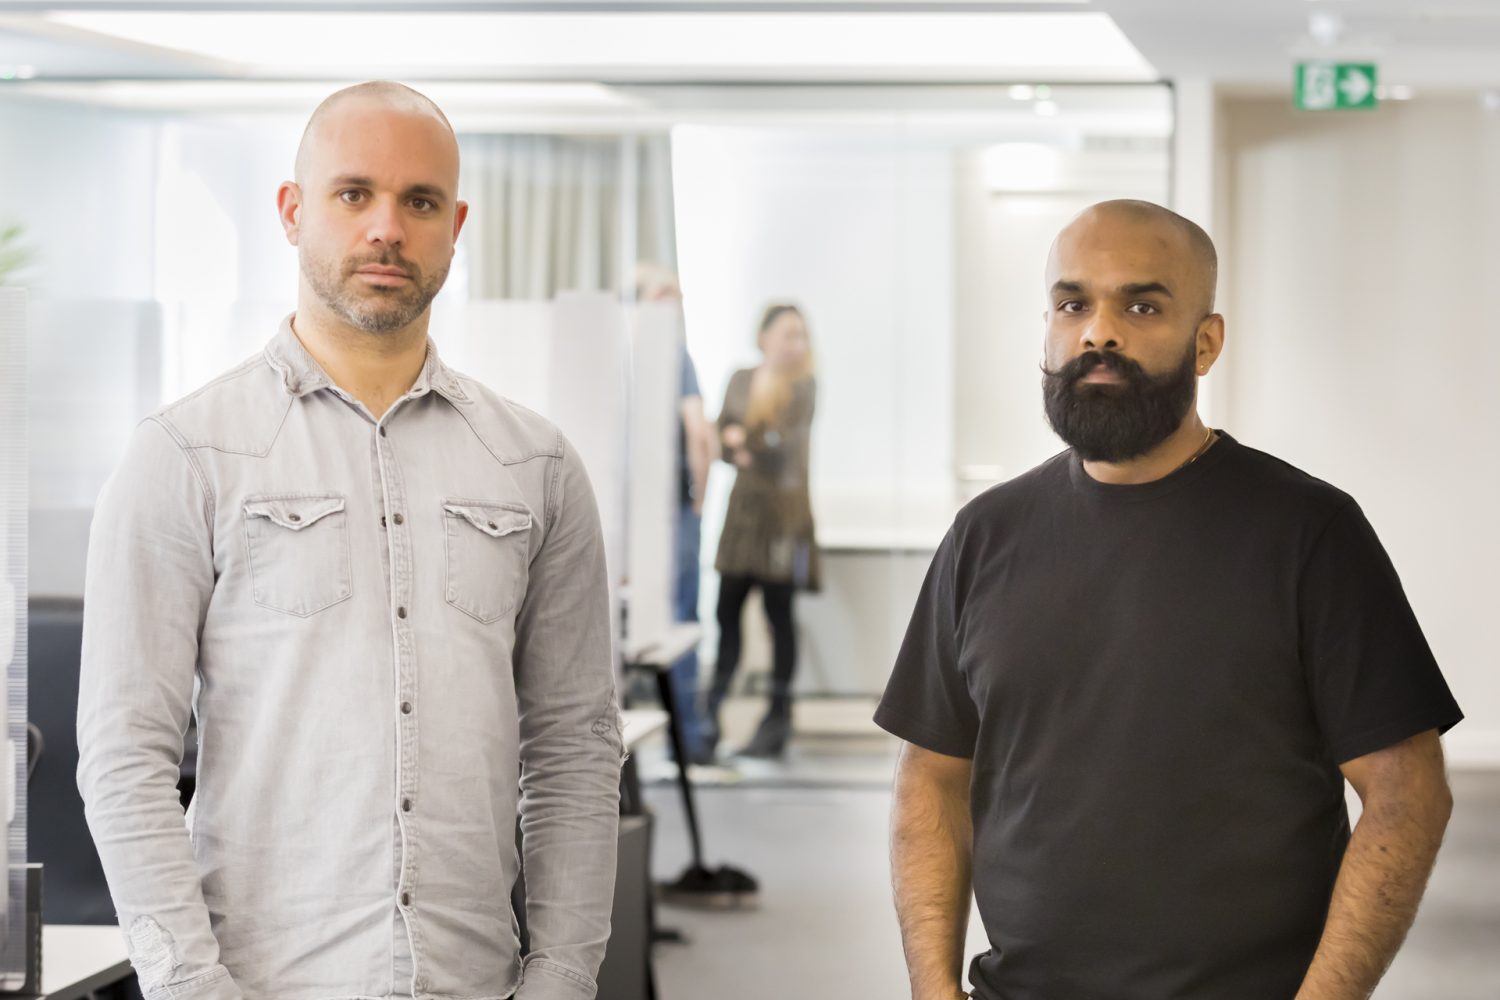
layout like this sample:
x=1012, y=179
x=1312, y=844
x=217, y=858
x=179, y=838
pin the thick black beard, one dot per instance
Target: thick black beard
x=1116, y=423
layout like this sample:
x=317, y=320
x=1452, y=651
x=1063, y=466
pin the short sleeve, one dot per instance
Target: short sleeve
x=926, y=700
x=1372, y=676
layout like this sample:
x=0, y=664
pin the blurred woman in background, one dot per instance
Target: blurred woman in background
x=765, y=427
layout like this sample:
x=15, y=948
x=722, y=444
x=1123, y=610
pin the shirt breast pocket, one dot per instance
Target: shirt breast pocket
x=488, y=550
x=298, y=545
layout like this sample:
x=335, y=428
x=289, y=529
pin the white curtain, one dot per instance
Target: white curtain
x=562, y=213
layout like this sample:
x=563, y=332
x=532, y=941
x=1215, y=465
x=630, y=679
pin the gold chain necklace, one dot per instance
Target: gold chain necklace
x=1207, y=443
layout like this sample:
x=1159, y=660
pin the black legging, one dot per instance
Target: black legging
x=777, y=597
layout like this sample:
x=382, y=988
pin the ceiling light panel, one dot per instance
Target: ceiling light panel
x=1083, y=46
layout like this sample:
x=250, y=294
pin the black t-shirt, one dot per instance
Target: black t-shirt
x=1157, y=684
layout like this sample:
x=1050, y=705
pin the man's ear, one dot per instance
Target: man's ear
x=460, y=213
x=289, y=208
x=1210, y=340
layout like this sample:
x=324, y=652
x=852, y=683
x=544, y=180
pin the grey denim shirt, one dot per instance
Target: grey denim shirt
x=395, y=636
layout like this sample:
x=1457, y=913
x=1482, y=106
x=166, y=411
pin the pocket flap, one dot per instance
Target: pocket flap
x=493, y=520
x=294, y=512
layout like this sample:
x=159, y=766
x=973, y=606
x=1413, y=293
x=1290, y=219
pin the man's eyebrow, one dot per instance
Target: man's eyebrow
x=421, y=190
x=426, y=191
x=1067, y=287
x=1146, y=288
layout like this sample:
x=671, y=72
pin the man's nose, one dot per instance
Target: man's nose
x=385, y=224
x=1101, y=333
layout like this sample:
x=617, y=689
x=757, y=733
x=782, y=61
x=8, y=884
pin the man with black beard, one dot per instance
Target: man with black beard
x=1138, y=676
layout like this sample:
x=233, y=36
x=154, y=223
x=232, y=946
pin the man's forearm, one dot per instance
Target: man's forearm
x=1375, y=899
x=931, y=868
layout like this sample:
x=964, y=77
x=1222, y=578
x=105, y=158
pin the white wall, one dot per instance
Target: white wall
x=1003, y=238
x=1363, y=261
x=858, y=231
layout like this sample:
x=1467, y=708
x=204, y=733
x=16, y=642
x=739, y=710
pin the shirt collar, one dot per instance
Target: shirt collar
x=300, y=374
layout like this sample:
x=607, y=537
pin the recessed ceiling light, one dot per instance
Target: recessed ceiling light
x=1047, y=109
x=1022, y=92
x=1325, y=27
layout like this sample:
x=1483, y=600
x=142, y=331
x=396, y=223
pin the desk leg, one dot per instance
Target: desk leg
x=679, y=750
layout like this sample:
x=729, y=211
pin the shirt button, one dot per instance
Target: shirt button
x=406, y=899
x=382, y=432
x=400, y=612
x=406, y=708
x=398, y=519
x=294, y=518
x=382, y=520
x=493, y=526
x=406, y=805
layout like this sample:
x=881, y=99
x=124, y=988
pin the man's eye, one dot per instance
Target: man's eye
x=1143, y=309
x=422, y=204
x=1071, y=306
x=351, y=197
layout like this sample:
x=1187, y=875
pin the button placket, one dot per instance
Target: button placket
x=400, y=548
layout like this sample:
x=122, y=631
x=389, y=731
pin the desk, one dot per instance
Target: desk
x=77, y=960
x=642, y=723
x=662, y=650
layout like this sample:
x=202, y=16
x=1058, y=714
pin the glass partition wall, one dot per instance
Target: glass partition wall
x=909, y=223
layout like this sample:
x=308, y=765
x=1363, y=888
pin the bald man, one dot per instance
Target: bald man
x=1138, y=676
x=380, y=589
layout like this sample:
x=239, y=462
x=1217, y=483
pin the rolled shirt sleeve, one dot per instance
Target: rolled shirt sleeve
x=149, y=579
x=571, y=746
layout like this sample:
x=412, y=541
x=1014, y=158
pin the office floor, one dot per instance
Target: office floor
x=813, y=830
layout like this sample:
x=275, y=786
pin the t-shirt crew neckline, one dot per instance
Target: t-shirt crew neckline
x=1173, y=481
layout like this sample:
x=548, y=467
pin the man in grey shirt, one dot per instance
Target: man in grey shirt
x=381, y=588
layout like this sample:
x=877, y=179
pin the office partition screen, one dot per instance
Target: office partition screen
x=13, y=519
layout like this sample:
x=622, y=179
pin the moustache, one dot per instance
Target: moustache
x=1070, y=373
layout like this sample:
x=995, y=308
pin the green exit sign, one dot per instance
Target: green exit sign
x=1330, y=86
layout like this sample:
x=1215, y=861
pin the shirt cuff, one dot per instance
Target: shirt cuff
x=544, y=980
x=212, y=985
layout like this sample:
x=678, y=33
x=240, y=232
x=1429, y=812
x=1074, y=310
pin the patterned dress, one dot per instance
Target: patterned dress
x=768, y=530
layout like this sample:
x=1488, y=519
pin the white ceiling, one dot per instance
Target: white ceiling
x=1428, y=44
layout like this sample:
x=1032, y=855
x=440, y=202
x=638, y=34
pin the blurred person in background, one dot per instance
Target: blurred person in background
x=697, y=446
x=768, y=542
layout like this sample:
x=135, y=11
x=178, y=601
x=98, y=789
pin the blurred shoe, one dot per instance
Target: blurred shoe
x=703, y=757
x=770, y=736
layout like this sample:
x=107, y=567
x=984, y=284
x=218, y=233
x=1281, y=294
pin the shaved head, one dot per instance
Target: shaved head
x=1193, y=245
x=384, y=94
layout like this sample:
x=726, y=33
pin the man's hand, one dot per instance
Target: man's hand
x=1385, y=868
